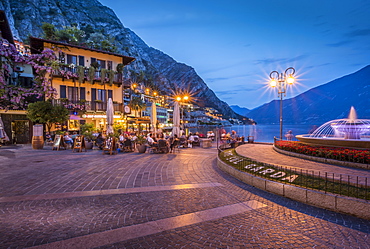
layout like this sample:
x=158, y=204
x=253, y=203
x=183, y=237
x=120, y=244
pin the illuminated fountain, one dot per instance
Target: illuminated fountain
x=347, y=132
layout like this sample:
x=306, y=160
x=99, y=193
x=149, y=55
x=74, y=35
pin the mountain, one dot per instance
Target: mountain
x=326, y=102
x=240, y=110
x=26, y=17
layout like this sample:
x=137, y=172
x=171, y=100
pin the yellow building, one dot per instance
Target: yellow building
x=86, y=79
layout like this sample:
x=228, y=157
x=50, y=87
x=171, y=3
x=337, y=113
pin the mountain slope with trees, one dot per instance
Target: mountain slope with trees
x=152, y=66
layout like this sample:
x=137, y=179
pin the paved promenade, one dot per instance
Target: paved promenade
x=61, y=199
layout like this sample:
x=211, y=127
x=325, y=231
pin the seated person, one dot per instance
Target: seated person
x=174, y=141
x=67, y=139
x=127, y=144
x=190, y=140
x=99, y=141
x=48, y=138
x=150, y=140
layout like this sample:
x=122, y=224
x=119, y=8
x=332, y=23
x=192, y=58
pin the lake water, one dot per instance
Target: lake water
x=266, y=133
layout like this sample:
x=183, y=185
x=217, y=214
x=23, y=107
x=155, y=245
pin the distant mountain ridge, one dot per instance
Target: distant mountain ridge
x=318, y=105
x=240, y=110
x=26, y=17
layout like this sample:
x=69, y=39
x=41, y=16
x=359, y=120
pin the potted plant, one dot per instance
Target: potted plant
x=87, y=130
x=141, y=143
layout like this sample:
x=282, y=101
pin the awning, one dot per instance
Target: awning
x=75, y=117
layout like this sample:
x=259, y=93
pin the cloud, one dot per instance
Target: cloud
x=237, y=91
x=320, y=65
x=358, y=32
x=227, y=78
x=340, y=43
x=281, y=60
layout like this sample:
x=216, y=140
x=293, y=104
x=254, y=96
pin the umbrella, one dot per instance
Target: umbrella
x=110, y=113
x=153, y=117
x=176, y=119
x=3, y=135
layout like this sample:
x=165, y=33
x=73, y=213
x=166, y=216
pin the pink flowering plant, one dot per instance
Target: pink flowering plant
x=15, y=97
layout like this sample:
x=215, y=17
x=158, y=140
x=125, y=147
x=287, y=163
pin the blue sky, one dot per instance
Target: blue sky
x=234, y=44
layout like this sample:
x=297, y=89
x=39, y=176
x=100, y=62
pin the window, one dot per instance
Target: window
x=25, y=82
x=71, y=59
x=101, y=95
x=93, y=60
x=81, y=60
x=101, y=63
x=73, y=93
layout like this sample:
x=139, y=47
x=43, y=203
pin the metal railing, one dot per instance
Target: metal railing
x=87, y=105
x=340, y=184
x=118, y=77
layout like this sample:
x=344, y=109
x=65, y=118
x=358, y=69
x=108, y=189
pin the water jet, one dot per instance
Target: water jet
x=348, y=132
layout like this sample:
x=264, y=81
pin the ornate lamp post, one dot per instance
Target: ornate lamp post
x=280, y=82
x=181, y=99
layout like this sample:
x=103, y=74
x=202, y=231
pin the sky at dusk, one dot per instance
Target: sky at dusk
x=234, y=45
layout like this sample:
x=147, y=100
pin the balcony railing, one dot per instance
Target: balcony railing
x=87, y=105
x=71, y=73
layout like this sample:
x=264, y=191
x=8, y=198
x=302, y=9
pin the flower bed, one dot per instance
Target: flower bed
x=337, y=153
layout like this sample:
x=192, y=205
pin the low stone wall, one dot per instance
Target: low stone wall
x=347, y=205
x=323, y=160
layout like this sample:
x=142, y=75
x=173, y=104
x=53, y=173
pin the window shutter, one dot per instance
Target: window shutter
x=82, y=93
x=63, y=92
x=93, y=94
x=81, y=60
x=110, y=94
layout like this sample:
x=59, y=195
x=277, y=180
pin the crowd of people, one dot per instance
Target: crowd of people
x=127, y=141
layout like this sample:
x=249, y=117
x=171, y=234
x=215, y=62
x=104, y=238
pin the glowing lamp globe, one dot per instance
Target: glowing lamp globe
x=273, y=83
x=290, y=80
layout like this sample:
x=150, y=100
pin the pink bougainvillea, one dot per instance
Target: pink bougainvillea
x=16, y=97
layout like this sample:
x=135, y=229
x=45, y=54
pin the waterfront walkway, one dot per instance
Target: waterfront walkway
x=61, y=199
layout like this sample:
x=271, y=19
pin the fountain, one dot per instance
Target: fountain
x=348, y=132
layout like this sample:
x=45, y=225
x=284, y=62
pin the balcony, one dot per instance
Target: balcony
x=83, y=105
x=66, y=72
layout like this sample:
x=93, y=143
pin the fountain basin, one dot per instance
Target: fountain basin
x=363, y=143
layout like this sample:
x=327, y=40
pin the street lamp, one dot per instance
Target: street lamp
x=280, y=82
x=181, y=99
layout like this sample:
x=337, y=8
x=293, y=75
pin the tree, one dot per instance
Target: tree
x=44, y=112
x=137, y=104
x=50, y=32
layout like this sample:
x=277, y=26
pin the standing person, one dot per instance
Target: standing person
x=289, y=135
x=233, y=139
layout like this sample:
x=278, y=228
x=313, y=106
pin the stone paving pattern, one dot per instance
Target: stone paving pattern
x=195, y=182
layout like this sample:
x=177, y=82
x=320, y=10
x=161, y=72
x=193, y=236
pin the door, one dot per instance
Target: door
x=20, y=131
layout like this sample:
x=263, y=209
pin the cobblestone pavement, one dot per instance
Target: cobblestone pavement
x=61, y=199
